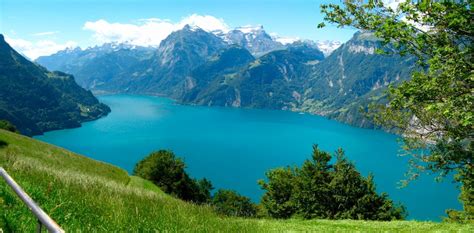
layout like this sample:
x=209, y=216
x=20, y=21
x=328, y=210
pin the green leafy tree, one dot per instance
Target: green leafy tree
x=230, y=203
x=320, y=189
x=434, y=110
x=167, y=171
x=278, y=200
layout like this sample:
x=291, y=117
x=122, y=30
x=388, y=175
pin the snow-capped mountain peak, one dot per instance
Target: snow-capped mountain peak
x=250, y=29
x=328, y=46
x=253, y=38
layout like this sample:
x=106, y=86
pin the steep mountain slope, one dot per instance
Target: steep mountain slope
x=106, y=68
x=294, y=76
x=328, y=46
x=36, y=100
x=123, y=68
x=351, y=77
x=85, y=195
x=177, y=55
x=271, y=81
x=253, y=38
x=206, y=83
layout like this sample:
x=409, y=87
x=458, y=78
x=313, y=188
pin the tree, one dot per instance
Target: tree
x=230, y=203
x=312, y=194
x=278, y=198
x=355, y=197
x=168, y=172
x=329, y=191
x=434, y=110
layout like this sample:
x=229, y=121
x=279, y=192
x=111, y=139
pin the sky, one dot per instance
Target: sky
x=43, y=27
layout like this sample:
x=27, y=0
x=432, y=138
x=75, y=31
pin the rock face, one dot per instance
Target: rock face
x=103, y=67
x=254, y=39
x=271, y=81
x=352, y=77
x=36, y=100
x=244, y=67
x=327, y=46
x=178, y=54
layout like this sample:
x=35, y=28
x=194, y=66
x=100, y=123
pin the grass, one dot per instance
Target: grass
x=88, y=195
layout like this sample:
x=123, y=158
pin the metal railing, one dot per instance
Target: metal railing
x=43, y=218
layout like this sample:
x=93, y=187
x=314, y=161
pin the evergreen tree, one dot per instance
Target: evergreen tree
x=312, y=192
x=326, y=191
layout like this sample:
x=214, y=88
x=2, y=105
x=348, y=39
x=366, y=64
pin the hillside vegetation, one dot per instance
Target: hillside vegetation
x=36, y=100
x=84, y=194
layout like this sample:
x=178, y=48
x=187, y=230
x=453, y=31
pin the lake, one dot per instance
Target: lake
x=234, y=147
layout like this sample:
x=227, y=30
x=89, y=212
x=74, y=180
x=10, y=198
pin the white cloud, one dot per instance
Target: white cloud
x=392, y=3
x=46, y=33
x=149, y=32
x=39, y=48
x=206, y=22
x=284, y=39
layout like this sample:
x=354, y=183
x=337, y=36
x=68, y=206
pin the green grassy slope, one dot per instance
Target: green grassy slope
x=83, y=194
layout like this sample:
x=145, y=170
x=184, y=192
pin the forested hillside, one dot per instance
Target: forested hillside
x=36, y=100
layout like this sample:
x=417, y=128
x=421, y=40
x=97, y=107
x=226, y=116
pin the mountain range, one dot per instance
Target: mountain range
x=36, y=100
x=245, y=67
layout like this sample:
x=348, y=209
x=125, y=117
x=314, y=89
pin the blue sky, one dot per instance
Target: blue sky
x=43, y=26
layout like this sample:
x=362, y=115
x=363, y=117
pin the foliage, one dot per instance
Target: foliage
x=322, y=190
x=168, y=172
x=434, y=110
x=6, y=125
x=36, y=100
x=230, y=203
x=277, y=199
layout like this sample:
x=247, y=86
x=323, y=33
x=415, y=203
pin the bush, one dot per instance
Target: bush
x=322, y=190
x=168, y=172
x=6, y=125
x=230, y=203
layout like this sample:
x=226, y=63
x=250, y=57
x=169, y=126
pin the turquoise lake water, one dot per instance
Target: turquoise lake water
x=234, y=147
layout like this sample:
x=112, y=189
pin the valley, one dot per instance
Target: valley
x=236, y=116
x=243, y=68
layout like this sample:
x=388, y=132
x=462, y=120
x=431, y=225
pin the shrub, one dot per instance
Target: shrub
x=6, y=125
x=168, y=172
x=230, y=203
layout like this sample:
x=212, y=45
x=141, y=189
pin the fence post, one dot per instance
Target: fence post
x=43, y=218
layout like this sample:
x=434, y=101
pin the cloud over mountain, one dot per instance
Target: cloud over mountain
x=149, y=32
x=38, y=48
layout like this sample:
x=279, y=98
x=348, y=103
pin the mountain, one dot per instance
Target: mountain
x=177, y=55
x=101, y=67
x=299, y=78
x=246, y=67
x=208, y=83
x=271, y=81
x=328, y=46
x=253, y=38
x=121, y=68
x=36, y=100
x=352, y=77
